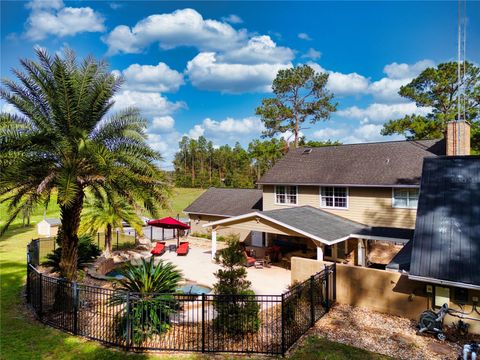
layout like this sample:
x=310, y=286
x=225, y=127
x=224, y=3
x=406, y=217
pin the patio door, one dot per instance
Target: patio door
x=257, y=238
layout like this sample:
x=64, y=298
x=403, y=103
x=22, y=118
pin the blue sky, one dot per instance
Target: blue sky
x=202, y=68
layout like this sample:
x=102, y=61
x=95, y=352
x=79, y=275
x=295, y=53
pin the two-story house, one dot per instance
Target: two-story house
x=332, y=203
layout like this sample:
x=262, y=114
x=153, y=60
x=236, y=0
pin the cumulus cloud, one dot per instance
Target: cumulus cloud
x=233, y=19
x=312, y=54
x=184, y=27
x=258, y=50
x=344, y=84
x=304, y=36
x=398, y=75
x=328, y=133
x=152, y=77
x=205, y=72
x=166, y=144
x=150, y=103
x=53, y=18
x=405, y=71
x=162, y=123
x=381, y=112
x=227, y=129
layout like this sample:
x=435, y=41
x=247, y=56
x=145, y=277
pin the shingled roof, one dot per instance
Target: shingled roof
x=446, y=243
x=393, y=163
x=226, y=202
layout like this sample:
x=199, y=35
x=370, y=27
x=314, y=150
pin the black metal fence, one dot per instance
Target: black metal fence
x=268, y=324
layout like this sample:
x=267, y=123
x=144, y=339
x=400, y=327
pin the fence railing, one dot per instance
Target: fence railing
x=268, y=324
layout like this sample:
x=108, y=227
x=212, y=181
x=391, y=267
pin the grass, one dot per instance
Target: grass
x=21, y=337
x=317, y=348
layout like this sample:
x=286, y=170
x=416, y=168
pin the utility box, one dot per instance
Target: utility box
x=442, y=296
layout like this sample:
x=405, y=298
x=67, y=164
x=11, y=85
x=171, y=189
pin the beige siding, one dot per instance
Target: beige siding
x=370, y=206
x=260, y=225
x=197, y=222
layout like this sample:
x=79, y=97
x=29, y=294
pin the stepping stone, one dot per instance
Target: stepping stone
x=440, y=348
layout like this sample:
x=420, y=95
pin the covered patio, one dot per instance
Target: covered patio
x=310, y=232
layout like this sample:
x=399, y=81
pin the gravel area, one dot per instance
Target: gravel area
x=381, y=333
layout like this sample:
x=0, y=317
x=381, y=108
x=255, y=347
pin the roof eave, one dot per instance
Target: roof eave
x=336, y=184
x=444, y=282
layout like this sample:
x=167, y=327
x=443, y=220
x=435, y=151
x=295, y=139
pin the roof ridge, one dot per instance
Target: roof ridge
x=368, y=143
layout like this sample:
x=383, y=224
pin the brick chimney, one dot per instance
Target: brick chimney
x=457, y=138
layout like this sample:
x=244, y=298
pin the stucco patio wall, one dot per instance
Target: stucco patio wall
x=380, y=290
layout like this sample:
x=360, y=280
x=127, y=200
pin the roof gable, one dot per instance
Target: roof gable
x=393, y=163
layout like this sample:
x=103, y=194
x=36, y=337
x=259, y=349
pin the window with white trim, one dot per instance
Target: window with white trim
x=405, y=198
x=334, y=197
x=285, y=194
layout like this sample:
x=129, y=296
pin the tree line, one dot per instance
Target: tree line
x=198, y=163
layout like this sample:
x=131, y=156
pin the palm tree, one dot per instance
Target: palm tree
x=149, y=290
x=65, y=138
x=107, y=213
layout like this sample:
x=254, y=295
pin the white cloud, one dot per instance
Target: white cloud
x=196, y=131
x=329, y=133
x=382, y=112
x=52, y=18
x=206, y=73
x=258, y=50
x=343, y=84
x=152, y=77
x=150, y=103
x=233, y=19
x=312, y=54
x=406, y=71
x=304, y=36
x=115, y=6
x=227, y=129
x=166, y=144
x=398, y=75
x=184, y=27
x=162, y=123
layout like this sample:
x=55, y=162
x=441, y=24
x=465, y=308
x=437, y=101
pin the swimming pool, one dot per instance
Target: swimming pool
x=189, y=287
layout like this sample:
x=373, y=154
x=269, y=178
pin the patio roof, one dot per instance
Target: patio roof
x=315, y=224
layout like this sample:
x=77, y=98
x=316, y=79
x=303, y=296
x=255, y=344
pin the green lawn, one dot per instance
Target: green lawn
x=21, y=337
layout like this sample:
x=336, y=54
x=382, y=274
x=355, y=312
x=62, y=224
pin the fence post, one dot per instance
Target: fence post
x=117, y=240
x=203, y=322
x=40, y=300
x=312, y=301
x=98, y=240
x=151, y=232
x=128, y=332
x=282, y=324
x=326, y=273
x=75, y=293
x=334, y=283
x=28, y=281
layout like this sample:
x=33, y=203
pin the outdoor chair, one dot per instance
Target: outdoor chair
x=183, y=248
x=159, y=249
x=249, y=261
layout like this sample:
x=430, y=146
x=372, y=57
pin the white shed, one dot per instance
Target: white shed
x=48, y=227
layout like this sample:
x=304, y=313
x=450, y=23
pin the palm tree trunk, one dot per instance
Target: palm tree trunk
x=108, y=241
x=70, y=216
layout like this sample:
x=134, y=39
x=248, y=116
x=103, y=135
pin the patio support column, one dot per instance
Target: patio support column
x=214, y=242
x=361, y=253
x=319, y=253
x=335, y=252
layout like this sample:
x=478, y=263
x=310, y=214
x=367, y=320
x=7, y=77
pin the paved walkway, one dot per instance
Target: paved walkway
x=197, y=266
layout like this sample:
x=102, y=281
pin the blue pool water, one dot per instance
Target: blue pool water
x=192, y=288
x=187, y=288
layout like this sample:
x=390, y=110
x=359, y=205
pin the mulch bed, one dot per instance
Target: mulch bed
x=385, y=334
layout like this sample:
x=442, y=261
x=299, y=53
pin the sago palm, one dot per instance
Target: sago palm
x=66, y=138
x=106, y=213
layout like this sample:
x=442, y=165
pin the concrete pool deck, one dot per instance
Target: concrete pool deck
x=198, y=266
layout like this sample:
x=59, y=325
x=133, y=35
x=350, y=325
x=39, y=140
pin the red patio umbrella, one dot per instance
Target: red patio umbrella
x=169, y=223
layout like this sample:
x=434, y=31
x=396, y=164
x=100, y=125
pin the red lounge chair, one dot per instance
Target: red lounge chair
x=159, y=249
x=249, y=261
x=182, y=248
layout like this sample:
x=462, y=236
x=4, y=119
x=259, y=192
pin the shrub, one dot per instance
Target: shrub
x=87, y=252
x=235, y=303
x=148, y=289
